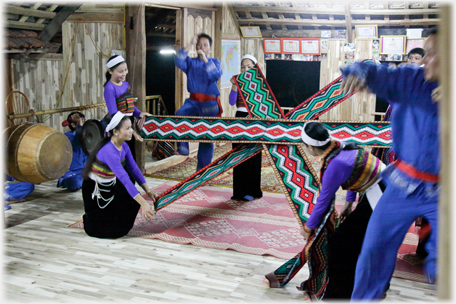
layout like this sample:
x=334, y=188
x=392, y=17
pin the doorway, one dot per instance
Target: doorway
x=160, y=70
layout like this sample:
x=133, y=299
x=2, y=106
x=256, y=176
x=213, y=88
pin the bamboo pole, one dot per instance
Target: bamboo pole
x=53, y=111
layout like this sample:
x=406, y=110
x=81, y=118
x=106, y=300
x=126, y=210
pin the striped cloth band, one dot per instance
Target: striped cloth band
x=365, y=173
x=102, y=170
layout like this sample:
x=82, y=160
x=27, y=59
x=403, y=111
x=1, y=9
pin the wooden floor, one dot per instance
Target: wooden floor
x=47, y=261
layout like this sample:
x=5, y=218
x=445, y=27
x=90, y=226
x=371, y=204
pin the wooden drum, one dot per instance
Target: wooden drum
x=37, y=153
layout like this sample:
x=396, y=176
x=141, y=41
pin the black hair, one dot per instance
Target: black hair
x=101, y=144
x=318, y=131
x=108, y=75
x=419, y=51
x=432, y=31
x=70, y=121
x=203, y=35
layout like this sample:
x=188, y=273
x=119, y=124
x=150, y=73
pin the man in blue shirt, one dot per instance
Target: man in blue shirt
x=202, y=75
x=412, y=180
x=72, y=179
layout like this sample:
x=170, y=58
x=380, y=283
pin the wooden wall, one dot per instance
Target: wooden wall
x=254, y=47
x=361, y=106
x=88, y=62
x=40, y=79
x=229, y=31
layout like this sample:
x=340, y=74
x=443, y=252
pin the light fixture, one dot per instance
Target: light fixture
x=167, y=51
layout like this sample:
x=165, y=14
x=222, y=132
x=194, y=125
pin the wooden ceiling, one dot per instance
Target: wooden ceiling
x=34, y=27
x=325, y=15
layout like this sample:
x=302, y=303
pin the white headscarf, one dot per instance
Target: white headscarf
x=114, y=61
x=115, y=121
x=247, y=56
x=310, y=141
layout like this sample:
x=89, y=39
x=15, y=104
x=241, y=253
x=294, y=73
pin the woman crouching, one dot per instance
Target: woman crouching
x=111, y=200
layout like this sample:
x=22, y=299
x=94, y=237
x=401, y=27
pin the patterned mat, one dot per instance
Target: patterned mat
x=208, y=218
x=179, y=172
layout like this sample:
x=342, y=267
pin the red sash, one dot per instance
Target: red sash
x=203, y=97
x=415, y=173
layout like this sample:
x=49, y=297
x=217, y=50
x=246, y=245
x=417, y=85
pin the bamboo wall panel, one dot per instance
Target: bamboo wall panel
x=88, y=64
x=230, y=31
x=40, y=80
x=361, y=106
x=254, y=47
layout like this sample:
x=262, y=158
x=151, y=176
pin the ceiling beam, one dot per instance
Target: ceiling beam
x=56, y=23
x=24, y=25
x=334, y=11
x=29, y=12
x=339, y=23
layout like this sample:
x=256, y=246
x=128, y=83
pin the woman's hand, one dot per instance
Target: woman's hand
x=138, y=137
x=305, y=232
x=346, y=210
x=142, y=114
x=151, y=195
x=147, y=211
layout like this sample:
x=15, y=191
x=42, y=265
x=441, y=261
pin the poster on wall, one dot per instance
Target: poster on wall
x=310, y=46
x=290, y=46
x=366, y=31
x=392, y=44
x=231, y=61
x=251, y=31
x=414, y=33
x=272, y=46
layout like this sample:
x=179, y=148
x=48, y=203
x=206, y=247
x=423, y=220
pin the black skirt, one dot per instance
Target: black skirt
x=344, y=247
x=113, y=221
x=247, y=175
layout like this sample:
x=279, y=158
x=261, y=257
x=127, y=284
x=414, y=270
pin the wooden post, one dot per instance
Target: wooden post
x=445, y=250
x=180, y=42
x=217, y=44
x=136, y=58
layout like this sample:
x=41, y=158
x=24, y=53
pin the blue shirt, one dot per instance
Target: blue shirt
x=414, y=121
x=201, y=77
x=79, y=158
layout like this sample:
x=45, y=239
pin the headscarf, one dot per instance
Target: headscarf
x=114, y=61
x=115, y=121
x=310, y=141
x=247, y=56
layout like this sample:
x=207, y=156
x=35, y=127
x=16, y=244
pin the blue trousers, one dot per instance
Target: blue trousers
x=197, y=108
x=392, y=217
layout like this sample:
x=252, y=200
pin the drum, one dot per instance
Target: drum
x=37, y=153
x=91, y=135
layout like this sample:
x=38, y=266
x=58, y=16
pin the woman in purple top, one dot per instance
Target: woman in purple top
x=118, y=96
x=111, y=200
x=348, y=166
x=247, y=175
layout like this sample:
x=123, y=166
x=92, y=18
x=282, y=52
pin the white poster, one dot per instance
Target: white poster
x=272, y=46
x=414, y=33
x=310, y=46
x=290, y=46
